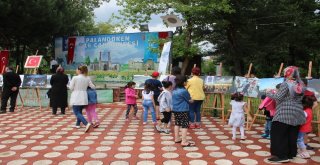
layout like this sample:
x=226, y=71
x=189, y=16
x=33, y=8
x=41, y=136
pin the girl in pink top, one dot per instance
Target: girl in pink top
x=309, y=101
x=131, y=99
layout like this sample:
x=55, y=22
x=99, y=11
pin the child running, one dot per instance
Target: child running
x=180, y=108
x=165, y=102
x=148, y=103
x=309, y=101
x=131, y=99
x=237, y=114
x=91, y=107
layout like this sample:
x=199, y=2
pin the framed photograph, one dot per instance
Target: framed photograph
x=33, y=62
x=34, y=80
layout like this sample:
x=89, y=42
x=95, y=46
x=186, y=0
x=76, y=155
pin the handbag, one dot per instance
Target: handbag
x=49, y=93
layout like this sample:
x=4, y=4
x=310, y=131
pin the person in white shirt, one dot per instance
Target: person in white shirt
x=79, y=96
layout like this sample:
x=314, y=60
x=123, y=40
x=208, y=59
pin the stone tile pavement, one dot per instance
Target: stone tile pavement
x=35, y=137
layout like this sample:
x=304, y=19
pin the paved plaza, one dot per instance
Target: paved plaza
x=35, y=137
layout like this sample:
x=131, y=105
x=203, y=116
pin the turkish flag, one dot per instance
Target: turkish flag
x=71, y=47
x=4, y=57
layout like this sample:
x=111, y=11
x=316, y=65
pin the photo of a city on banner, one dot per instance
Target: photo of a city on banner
x=79, y=78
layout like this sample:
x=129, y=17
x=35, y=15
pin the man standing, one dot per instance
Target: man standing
x=10, y=89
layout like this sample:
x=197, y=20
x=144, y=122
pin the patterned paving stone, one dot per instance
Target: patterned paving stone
x=43, y=162
x=34, y=137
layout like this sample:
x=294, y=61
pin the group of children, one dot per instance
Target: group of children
x=237, y=117
x=176, y=101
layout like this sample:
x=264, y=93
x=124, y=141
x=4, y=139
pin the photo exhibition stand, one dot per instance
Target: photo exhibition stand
x=260, y=113
x=218, y=100
x=31, y=66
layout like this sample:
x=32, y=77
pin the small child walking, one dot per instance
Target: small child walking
x=237, y=114
x=148, y=103
x=180, y=107
x=131, y=100
x=309, y=101
x=91, y=107
x=165, y=102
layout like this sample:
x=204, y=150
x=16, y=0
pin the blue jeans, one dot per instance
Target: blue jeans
x=267, y=127
x=194, y=109
x=147, y=104
x=77, y=110
x=300, y=140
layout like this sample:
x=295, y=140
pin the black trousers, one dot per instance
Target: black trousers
x=283, y=140
x=135, y=107
x=6, y=94
x=54, y=110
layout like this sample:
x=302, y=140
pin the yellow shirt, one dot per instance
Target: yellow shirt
x=195, y=88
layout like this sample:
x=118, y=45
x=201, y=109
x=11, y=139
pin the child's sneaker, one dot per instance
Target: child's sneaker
x=158, y=128
x=96, y=125
x=136, y=117
x=303, y=155
x=166, y=131
x=144, y=123
x=264, y=135
x=268, y=137
x=198, y=126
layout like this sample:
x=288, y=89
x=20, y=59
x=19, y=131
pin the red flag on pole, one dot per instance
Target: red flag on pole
x=71, y=47
x=4, y=59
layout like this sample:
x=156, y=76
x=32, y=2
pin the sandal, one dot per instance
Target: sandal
x=189, y=145
x=178, y=141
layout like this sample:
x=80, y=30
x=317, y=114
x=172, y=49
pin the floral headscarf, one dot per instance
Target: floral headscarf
x=292, y=78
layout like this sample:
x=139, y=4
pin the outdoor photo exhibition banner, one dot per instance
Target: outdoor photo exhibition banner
x=268, y=84
x=164, y=59
x=218, y=84
x=116, y=52
x=314, y=86
x=34, y=80
x=248, y=86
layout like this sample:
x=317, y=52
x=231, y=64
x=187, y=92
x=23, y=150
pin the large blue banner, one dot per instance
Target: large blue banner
x=111, y=51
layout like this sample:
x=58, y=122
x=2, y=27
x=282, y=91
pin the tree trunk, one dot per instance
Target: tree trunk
x=18, y=52
x=22, y=58
x=185, y=66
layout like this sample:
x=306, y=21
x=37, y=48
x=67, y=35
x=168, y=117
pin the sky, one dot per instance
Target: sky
x=104, y=12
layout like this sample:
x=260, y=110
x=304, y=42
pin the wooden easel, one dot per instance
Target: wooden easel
x=259, y=113
x=218, y=101
x=32, y=91
x=309, y=76
x=22, y=103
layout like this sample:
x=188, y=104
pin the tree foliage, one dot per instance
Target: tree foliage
x=27, y=26
x=136, y=12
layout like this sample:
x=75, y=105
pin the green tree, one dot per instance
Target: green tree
x=27, y=26
x=264, y=33
x=87, y=61
x=136, y=12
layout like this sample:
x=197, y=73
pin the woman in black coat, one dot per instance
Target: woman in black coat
x=59, y=92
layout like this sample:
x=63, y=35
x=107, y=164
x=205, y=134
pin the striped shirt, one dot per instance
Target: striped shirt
x=289, y=109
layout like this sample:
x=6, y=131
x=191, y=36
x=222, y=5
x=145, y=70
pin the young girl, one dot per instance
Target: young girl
x=180, y=108
x=148, y=103
x=309, y=101
x=131, y=99
x=165, y=102
x=237, y=114
x=91, y=107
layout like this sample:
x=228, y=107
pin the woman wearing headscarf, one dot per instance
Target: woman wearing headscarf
x=288, y=117
x=59, y=91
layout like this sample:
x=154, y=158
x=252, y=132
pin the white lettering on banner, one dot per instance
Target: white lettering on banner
x=164, y=59
x=120, y=44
